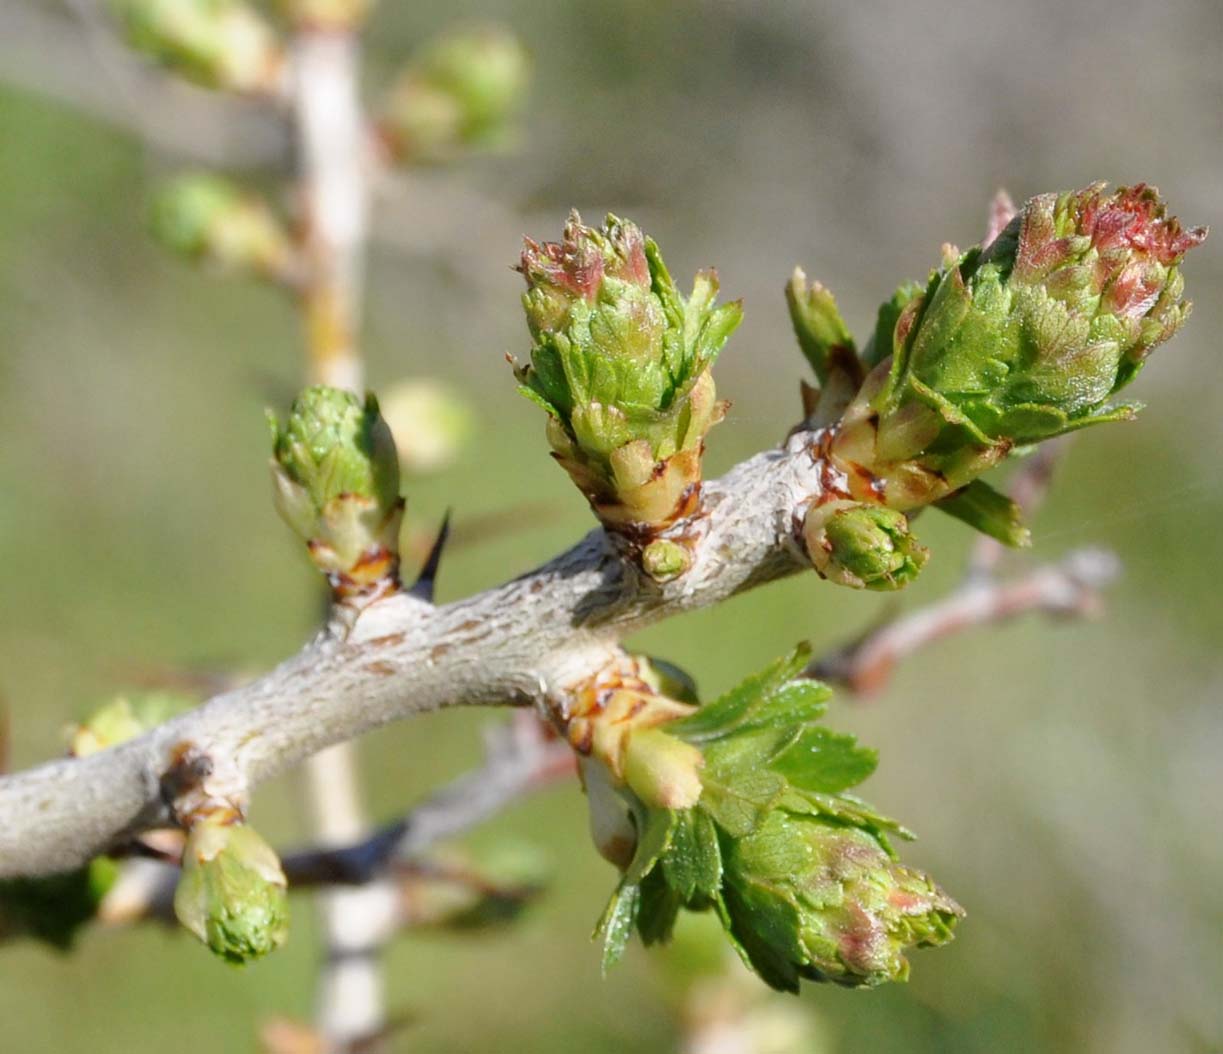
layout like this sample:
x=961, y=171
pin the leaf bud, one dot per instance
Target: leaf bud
x=232, y=892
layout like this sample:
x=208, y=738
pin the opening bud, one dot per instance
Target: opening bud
x=232, y=892
x=621, y=362
x=214, y=43
x=210, y=220
x=862, y=546
x=1015, y=343
x=336, y=478
x=463, y=92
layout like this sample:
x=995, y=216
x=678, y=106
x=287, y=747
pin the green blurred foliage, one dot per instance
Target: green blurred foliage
x=1064, y=779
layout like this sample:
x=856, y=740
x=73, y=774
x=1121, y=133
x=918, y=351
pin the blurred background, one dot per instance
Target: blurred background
x=1064, y=779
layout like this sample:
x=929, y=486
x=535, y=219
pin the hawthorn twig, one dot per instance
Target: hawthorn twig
x=334, y=188
x=521, y=756
x=1069, y=588
x=518, y=643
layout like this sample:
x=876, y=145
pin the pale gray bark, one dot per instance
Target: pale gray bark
x=519, y=643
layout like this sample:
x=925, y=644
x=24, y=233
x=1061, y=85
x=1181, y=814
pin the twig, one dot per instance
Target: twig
x=521, y=757
x=334, y=191
x=1068, y=588
x=524, y=642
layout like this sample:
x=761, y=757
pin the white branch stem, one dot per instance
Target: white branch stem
x=335, y=187
x=1069, y=588
x=516, y=643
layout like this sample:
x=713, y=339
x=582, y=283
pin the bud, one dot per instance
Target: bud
x=827, y=902
x=464, y=91
x=1019, y=342
x=621, y=363
x=214, y=43
x=664, y=772
x=124, y=717
x=53, y=908
x=336, y=477
x=430, y=423
x=862, y=546
x=232, y=891
x=756, y=825
x=210, y=220
x=822, y=334
x=664, y=559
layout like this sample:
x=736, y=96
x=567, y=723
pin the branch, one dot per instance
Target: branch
x=1068, y=588
x=520, y=757
x=49, y=54
x=518, y=643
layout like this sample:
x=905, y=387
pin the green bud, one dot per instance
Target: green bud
x=214, y=43
x=464, y=91
x=879, y=347
x=430, y=423
x=822, y=333
x=800, y=872
x=232, y=892
x=125, y=717
x=53, y=908
x=862, y=546
x=664, y=560
x=1018, y=342
x=829, y=903
x=210, y=220
x=621, y=363
x=336, y=477
x=664, y=772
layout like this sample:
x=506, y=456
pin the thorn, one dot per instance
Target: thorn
x=423, y=587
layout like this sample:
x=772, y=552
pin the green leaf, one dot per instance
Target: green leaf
x=693, y=864
x=764, y=929
x=652, y=841
x=749, y=702
x=616, y=925
x=660, y=904
x=988, y=511
x=847, y=809
x=879, y=347
x=825, y=761
x=738, y=805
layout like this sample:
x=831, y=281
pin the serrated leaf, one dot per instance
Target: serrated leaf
x=825, y=761
x=693, y=864
x=655, y=828
x=764, y=930
x=729, y=758
x=738, y=806
x=845, y=809
x=616, y=925
x=660, y=905
x=749, y=697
